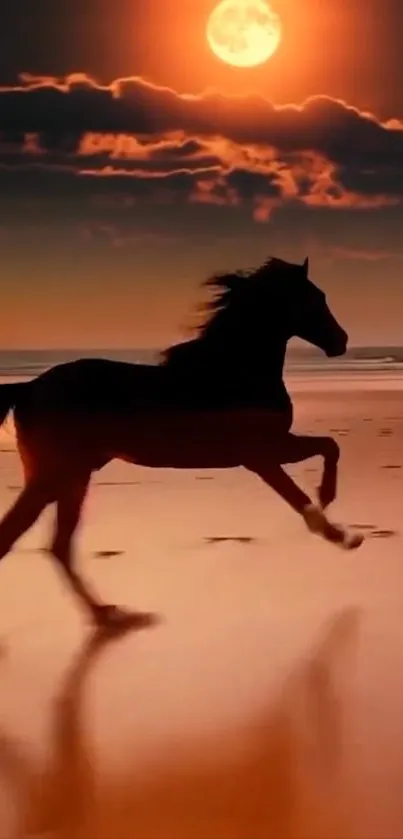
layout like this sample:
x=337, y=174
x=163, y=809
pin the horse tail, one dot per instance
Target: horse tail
x=8, y=398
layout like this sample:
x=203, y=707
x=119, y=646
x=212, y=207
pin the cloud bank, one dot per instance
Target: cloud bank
x=134, y=141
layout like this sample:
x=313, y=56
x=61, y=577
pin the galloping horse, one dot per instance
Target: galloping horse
x=216, y=401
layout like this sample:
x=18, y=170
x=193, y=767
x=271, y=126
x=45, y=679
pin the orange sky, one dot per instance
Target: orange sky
x=120, y=192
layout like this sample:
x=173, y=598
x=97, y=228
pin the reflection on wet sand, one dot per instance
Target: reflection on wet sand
x=281, y=777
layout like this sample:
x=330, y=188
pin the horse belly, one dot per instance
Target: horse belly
x=195, y=440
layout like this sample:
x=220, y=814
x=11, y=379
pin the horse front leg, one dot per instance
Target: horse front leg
x=296, y=448
x=273, y=474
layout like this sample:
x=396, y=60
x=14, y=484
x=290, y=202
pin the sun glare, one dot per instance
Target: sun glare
x=244, y=33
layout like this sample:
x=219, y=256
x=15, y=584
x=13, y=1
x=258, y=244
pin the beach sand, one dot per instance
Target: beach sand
x=267, y=703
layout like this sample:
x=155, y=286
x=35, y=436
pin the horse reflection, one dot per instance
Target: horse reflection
x=285, y=779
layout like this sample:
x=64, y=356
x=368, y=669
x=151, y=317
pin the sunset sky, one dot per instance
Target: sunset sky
x=134, y=163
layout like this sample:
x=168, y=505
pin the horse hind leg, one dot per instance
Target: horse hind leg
x=69, y=503
x=23, y=514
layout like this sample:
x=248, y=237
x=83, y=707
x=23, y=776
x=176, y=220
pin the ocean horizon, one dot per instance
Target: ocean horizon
x=299, y=360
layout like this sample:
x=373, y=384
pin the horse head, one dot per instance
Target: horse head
x=273, y=304
x=309, y=315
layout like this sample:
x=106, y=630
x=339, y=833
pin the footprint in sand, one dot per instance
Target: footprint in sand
x=373, y=532
x=119, y=483
x=95, y=554
x=363, y=526
x=383, y=534
x=243, y=540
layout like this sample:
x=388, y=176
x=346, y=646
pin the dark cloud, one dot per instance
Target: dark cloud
x=65, y=111
x=68, y=144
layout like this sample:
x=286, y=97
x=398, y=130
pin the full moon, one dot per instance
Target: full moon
x=244, y=33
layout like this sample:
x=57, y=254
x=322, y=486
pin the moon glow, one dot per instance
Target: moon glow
x=243, y=33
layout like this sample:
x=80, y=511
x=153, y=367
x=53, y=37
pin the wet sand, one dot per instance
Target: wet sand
x=266, y=704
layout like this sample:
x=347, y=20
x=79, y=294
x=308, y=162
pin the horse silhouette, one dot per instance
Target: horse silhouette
x=216, y=401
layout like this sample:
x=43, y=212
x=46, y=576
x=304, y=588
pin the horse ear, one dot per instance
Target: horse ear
x=306, y=267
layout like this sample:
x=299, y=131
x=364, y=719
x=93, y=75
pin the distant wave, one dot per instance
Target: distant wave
x=345, y=367
x=363, y=360
x=31, y=363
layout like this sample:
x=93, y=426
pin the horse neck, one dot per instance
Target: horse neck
x=264, y=360
x=231, y=372
x=245, y=359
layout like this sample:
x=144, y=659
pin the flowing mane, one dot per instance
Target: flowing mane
x=233, y=293
x=233, y=290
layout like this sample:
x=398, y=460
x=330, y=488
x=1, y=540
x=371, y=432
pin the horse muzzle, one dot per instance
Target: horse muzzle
x=338, y=348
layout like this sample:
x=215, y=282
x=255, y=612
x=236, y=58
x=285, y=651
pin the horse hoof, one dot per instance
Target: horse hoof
x=317, y=523
x=347, y=539
x=353, y=541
